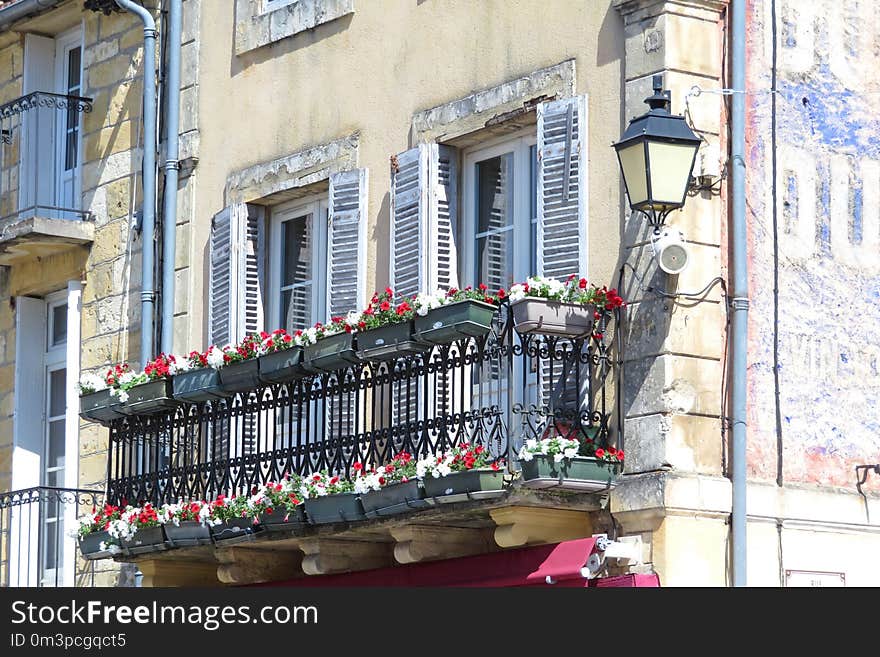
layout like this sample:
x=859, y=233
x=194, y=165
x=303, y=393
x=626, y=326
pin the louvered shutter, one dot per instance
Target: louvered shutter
x=424, y=204
x=562, y=225
x=562, y=187
x=37, y=146
x=424, y=188
x=236, y=275
x=347, y=242
x=346, y=279
x=235, y=306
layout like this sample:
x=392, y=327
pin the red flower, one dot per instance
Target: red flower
x=389, y=291
x=384, y=306
x=501, y=293
x=600, y=453
x=620, y=455
x=483, y=287
x=582, y=284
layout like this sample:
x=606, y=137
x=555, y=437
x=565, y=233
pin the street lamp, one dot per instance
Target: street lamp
x=656, y=155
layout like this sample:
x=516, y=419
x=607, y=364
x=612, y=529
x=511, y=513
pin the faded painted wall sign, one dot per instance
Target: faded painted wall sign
x=826, y=194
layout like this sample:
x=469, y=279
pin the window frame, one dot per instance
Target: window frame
x=520, y=144
x=318, y=206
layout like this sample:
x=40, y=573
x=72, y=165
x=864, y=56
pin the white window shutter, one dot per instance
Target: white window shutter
x=424, y=203
x=236, y=274
x=37, y=174
x=562, y=187
x=347, y=242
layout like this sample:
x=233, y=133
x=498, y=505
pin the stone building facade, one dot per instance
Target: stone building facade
x=280, y=98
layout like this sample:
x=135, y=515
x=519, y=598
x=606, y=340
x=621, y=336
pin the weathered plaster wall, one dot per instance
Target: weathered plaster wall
x=370, y=71
x=827, y=191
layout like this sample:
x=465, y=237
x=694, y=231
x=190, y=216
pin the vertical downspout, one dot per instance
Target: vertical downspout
x=172, y=167
x=740, y=301
x=148, y=294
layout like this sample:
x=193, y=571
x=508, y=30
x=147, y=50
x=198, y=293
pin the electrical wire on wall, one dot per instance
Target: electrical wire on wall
x=773, y=192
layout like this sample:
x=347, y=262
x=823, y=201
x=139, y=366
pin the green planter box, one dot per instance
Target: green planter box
x=187, y=534
x=282, y=366
x=144, y=541
x=394, y=498
x=151, y=397
x=583, y=474
x=342, y=507
x=546, y=317
x=234, y=528
x=199, y=385
x=240, y=376
x=469, y=484
x=332, y=353
x=282, y=520
x=100, y=407
x=90, y=545
x=389, y=342
x=455, y=321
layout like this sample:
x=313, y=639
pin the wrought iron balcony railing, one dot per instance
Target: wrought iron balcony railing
x=497, y=391
x=40, y=157
x=38, y=545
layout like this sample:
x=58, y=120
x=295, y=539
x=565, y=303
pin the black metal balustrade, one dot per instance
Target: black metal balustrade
x=496, y=391
x=38, y=545
x=40, y=157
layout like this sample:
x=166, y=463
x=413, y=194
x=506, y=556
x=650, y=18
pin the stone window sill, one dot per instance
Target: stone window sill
x=254, y=28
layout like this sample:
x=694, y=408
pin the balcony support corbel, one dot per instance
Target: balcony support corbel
x=324, y=556
x=524, y=525
x=417, y=543
x=166, y=572
x=248, y=566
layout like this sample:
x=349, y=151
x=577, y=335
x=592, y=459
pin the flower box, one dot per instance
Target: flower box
x=581, y=473
x=331, y=353
x=100, y=407
x=151, y=397
x=145, y=540
x=240, y=376
x=455, y=321
x=234, y=528
x=389, y=342
x=467, y=483
x=282, y=366
x=198, y=385
x=394, y=498
x=548, y=317
x=281, y=520
x=187, y=534
x=341, y=507
x=90, y=545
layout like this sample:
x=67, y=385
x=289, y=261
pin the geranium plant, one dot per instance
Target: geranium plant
x=174, y=514
x=164, y=366
x=306, y=337
x=561, y=441
x=401, y=468
x=99, y=519
x=277, y=340
x=422, y=303
x=276, y=496
x=321, y=484
x=91, y=382
x=573, y=290
x=383, y=311
x=458, y=459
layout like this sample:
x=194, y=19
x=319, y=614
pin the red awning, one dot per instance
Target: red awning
x=530, y=566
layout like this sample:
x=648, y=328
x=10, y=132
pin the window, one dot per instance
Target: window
x=298, y=264
x=500, y=214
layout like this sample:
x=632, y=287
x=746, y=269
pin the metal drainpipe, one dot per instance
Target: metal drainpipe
x=740, y=301
x=172, y=167
x=148, y=294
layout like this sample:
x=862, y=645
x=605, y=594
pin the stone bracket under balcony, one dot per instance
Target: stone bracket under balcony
x=36, y=236
x=518, y=518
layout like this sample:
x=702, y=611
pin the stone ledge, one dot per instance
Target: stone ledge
x=41, y=236
x=254, y=28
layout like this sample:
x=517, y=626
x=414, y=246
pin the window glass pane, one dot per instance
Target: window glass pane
x=533, y=209
x=57, y=393
x=55, y=455
x=494, y=238
x=296, y=256
x=73, y=66
x=59, y=324
x=296, y=305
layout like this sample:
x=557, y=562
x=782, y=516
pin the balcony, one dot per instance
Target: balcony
x=40, y=190
x=38, y=546
x=496, y=391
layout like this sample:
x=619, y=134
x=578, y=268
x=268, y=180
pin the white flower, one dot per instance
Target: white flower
x=558, y=457
x=570, y=452
x=525, y=455
x=91, y=382
x=121, y=394
x=353, y=318
x=214, y=357
x=517, y=292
